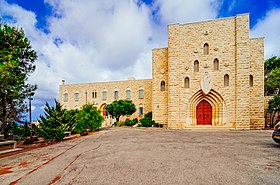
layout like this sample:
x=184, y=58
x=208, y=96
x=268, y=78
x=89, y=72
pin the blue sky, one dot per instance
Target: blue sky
x=92, y=40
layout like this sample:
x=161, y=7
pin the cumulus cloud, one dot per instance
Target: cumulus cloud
x=269, y=27
x=181, y=11
x=99, y=40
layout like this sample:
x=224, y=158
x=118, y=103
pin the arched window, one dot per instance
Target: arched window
x=206, y=49
x=187, y=82
x=141, y=110
x=104, y=94
x=141, y=92
x=196, y=66
x=116, y=94
x=216, y=64
x=65, y=97
x=226, y=80
x=162, y=86
x=127, y=93
x=251, y=81
x=76, y=96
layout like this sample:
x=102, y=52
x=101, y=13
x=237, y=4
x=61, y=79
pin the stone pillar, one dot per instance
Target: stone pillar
x=242, y=67
x=173, y=75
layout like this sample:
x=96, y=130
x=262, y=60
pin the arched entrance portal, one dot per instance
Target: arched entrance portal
x=204, y=113
x=218, y=106
x=103, y=109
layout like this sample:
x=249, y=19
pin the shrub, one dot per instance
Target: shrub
x=53, y=124
x=20, y=131
x=147, y=122
x=135, y=120
x=159, y=125
x=121, y=124
x=130, y=122
x=89, y=118
x=149, y=115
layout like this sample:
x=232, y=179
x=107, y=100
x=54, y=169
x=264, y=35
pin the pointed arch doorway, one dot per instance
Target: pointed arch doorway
x=204, y=113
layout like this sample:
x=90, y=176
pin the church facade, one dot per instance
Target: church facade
x=210, y=75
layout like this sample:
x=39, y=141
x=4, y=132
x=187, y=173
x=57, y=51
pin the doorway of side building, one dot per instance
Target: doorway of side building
x=204, y=113
x=103, y=109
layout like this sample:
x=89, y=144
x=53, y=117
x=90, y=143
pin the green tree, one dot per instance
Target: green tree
x=89, y=118
x=272, y=75
x=121, y=108
x=16, y=64
x=54, y=123
x=72, y=119
x=274, y=109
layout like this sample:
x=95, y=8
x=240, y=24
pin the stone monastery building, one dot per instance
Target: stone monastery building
x=210, y=75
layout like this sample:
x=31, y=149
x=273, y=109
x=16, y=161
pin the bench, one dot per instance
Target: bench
x=3, y=143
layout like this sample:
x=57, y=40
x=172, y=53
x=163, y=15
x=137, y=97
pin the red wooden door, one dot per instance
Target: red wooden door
x=204, y=113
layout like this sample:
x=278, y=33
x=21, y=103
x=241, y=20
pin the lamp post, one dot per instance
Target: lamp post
x=30, y=117
x=86, y=97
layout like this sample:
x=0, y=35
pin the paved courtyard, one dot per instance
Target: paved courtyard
x=150, y=156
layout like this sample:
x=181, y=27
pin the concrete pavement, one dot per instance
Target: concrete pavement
x=150, y=156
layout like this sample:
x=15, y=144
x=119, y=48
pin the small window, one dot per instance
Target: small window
x=206, y=49
x=226, y=80
x=141, y=92
x=251, y=81
x=94, y=94
x=116, y=94
x=162, y=86
x=127, y=93
x=76, y=96
x=104, y=94
x=187, y=82
x=65, y=97
x=196, y=66
x=216, y=65
x=141, y=111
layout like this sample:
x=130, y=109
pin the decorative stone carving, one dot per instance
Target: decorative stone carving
x=216, y=49
x=205, y=32
x=162, y=71
x=206, y=83
x=206, y=66
x=195, y=50
x=187, y=68
x=226, y=64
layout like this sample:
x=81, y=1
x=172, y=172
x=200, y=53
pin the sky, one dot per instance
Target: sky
x=84, y=41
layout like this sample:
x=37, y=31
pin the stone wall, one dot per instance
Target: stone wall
x=235, y=106
x=86, y=94
x=160, y=97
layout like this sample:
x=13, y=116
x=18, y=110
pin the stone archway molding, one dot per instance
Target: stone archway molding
x=219, y=112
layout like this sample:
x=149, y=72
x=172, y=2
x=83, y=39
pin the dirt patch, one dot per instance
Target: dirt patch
x=5, y=170
x=23, y=164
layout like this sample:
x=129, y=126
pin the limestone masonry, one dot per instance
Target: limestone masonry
x=210, y=75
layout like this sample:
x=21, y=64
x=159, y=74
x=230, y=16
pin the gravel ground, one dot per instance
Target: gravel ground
x=150, y=156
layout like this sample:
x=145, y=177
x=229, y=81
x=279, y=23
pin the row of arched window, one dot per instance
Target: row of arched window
x=215, y=65
x=187, y=82
x=104, y=94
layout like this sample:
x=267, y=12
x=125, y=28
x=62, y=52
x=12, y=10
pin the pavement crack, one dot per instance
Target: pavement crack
x=45, y=163
x=58, y=177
